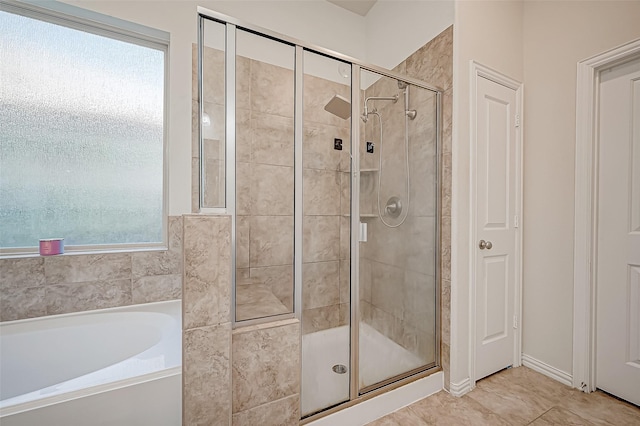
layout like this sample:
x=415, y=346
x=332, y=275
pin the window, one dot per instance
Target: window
x=82, y=134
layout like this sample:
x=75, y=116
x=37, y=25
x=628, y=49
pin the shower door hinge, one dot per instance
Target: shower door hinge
x=516, y=221
x=515, y=321
x=517, y=120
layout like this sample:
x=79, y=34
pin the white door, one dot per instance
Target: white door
x=618, y=243
x=495, y=243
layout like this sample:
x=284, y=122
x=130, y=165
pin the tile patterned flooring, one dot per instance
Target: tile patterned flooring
x=517, y=396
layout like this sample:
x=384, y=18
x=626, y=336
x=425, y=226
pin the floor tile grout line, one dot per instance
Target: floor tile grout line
x=532, y=421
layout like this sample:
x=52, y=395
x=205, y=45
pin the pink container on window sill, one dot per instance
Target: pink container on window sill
x=51, y=246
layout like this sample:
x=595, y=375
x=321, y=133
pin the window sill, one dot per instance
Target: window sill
x=70, y=251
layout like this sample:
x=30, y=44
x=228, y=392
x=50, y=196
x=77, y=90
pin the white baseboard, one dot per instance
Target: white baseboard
x=460, y=388
x=549, y=371
x=386, y=403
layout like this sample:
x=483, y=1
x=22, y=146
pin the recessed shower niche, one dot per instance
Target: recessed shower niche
x=345, y=240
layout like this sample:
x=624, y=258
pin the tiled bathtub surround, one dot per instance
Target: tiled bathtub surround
x=206, y=306
x=40, y=286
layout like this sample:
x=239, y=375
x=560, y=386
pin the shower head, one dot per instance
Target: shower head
x=339, y=107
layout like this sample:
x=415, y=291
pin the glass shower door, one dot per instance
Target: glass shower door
x=326, y=233
x=398, y=207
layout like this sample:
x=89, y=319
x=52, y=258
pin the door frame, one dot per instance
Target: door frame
x=477, y=71
x=586, y=212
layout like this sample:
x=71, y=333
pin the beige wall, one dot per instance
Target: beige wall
x=556, y=36
x=398, y=28
x=490, y=33
x=540, y=44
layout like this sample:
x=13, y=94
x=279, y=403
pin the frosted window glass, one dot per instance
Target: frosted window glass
x=81, y=136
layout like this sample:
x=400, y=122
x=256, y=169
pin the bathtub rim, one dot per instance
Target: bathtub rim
x=94, y=311
x=104, y=387
x=89, y=391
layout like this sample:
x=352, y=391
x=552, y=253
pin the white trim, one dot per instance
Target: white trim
x=584, y=349
x=479, y=70
x=546, y=369
x=75, y=17
x=386, y=403
x=460, y=388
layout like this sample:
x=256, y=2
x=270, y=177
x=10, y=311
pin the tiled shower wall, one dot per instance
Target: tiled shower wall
x=433, y=63
x=264, y=165
x=396, y=311
x=245, y=377
x=398, y=264
x=326, y=206
x=265, y=183
x=265, y=176
x=40, y=286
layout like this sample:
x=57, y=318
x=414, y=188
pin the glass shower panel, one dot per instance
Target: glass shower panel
x=264, y=176
x=398, y=204
x=212, y=148
x=326, y=233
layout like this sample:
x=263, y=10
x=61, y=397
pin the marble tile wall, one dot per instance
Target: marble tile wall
x=40, y=286
x=206, y=321
x=401, y=311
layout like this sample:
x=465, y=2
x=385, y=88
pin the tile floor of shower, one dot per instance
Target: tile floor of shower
x=516, y=396
x=323, y=387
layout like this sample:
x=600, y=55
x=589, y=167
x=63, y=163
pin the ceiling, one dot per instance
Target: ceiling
x=361, y=7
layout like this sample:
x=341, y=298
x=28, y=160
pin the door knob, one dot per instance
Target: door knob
x=485, y=244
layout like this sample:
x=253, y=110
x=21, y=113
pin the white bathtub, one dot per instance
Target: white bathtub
x=119, y=366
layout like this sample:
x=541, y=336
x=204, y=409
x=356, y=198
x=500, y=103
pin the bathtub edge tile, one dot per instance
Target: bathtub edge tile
x=86, y=296
x=206, y=392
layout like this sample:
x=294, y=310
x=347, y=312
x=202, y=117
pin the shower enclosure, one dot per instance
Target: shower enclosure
x=329, y=169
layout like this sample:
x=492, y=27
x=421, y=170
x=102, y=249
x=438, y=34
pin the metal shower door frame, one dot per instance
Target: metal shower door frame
x=232, y=24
